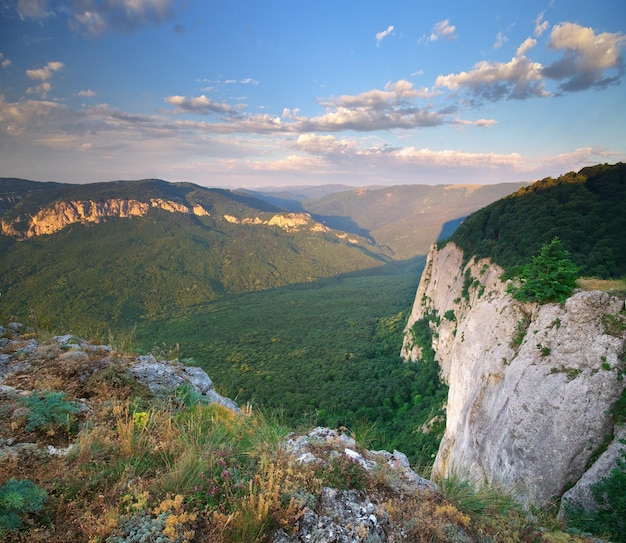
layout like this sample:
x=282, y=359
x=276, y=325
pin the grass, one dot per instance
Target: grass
x=616, y=287
x=189, y=472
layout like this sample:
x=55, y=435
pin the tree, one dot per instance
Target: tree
x=550, y=278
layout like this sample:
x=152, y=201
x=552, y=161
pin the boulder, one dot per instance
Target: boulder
x=164, y=377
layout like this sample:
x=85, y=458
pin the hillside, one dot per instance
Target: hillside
x=123, y=251
x=585, y=210
x=404, y=218
x=101, y=446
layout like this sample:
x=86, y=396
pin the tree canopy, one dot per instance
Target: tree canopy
x=551, y=277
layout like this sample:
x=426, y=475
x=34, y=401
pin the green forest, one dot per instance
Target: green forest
x=325, y=353
x=585, y=210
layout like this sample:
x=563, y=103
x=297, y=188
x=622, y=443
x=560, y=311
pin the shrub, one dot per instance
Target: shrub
x=16, y=498
x=48, y=411
x=550, y=278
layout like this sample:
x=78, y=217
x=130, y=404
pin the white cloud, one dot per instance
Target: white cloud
x=380, y=36
x=527, y=44
x=586, y=57
x=86, y=93
x=199, y=104
x=43, y=75
x=540, y=25
x=96, y=18
x=501, y=39
x=46, y=72
x=393, y=94
x=315, y=144
x=478, y=122
x=519, y=78
x=43, y=89
x=442, y=29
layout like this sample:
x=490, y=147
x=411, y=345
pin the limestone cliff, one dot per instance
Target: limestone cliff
x=531, y=387
x=58, y=215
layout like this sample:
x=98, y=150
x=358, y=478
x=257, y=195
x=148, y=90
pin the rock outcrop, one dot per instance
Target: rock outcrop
x=531, y=387
x=291, y=222
x=26, y=364
x=349, y=515
x=55, y=217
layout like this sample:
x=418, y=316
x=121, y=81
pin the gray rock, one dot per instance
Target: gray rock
x=525, y=411
x=340, y=517
x=166, y=377
x=580, y=495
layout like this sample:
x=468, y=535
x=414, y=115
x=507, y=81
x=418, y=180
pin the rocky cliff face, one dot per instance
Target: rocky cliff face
x=531, y=387
x=58, y=215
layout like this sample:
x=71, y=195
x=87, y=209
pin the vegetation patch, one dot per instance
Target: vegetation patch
x=571, y=373
x=520, y=332
x=550, y=278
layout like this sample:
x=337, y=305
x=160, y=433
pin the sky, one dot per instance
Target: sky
x=251, y=94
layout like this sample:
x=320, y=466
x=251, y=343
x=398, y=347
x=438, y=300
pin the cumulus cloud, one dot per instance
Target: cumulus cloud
x=4, y=62
x=380, y=36
x=43, y=75
x=46, y=72
x=393, y=107
x=97, y=17
x=519, y=78
x=442, y=29
x=315, y=144
x=199, y=104
x=329, y=149
x=393, y=94
x=586, y=57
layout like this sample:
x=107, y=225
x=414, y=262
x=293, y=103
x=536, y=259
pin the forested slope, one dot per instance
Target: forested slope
x=585, y=210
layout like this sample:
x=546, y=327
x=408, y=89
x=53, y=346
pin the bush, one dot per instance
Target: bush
x=49, y=411
x=16, y=498
x=550, y=278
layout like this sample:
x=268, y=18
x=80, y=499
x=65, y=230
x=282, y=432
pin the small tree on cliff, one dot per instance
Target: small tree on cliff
x=550, y=278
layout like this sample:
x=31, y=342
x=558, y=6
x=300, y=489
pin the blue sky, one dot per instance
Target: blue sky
x=267, y=93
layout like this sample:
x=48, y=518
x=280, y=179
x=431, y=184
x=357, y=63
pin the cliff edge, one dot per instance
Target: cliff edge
x=532, y=388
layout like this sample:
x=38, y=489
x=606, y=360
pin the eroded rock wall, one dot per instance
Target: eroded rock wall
x=531, y=387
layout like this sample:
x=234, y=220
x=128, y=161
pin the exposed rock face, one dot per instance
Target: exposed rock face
x=581, y=495
x=57, y=216
x=290, y=222
x=530, y=387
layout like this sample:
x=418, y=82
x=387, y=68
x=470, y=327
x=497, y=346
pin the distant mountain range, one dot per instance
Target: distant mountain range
x=405, y=219
x=122, y=251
